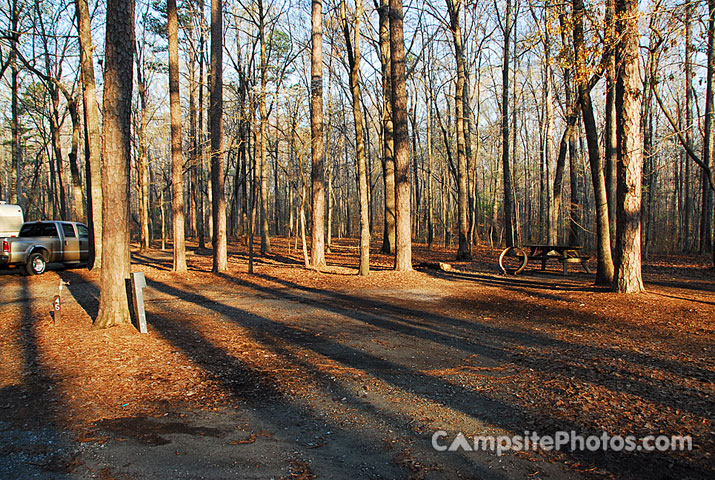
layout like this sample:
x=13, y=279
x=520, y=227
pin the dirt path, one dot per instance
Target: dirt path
x=299, y=374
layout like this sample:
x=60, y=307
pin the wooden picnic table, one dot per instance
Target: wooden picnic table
x=515, y=259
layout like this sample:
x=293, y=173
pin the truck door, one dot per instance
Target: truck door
x=52, y=239
x=71, y=243
x=83, y=242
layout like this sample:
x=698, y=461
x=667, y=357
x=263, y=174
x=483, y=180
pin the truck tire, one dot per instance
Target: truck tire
x=36, y=264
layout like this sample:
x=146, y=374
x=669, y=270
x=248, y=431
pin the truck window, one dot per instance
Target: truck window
x=83, y=232
x=30, y=230
x=68, y=230
x=48, y=230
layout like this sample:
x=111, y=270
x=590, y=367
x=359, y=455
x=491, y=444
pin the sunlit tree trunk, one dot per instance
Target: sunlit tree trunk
x=388, y=145
x=353, y=50
x=403, y=233
x=464, y=251
x=630, y=151
x=316, y=135
x=265, y=236
x=177, y=164
x=118, y=78
x=218, y=200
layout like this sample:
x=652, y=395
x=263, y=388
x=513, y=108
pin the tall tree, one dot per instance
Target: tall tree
x=117, y=108
x=177, y=164
x=262, y=140
x=218, y=210
x=609, y=134
x=16, y=147
x=604, y=272
x=316, y=135
x=388, y=144
x=509, y=213
x=403, y=231
x=353, y=50
x=707, y=222
x=628, y=278
x=464, y=251
x=92, y=138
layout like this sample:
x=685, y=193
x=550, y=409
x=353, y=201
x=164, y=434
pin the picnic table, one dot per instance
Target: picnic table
x=515, y=259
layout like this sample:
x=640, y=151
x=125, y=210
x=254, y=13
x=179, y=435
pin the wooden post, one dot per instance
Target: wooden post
x=56, y=310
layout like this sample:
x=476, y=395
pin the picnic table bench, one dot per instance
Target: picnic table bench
x=515, y=259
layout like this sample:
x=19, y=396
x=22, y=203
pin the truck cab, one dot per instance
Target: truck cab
x=40, y=243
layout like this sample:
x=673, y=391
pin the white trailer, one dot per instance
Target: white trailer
x=11, y=219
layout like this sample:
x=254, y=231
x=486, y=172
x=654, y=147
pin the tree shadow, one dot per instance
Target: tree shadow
x=34, y=445
x=407, y=378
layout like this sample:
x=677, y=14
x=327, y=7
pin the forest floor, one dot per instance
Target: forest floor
x=295, y=373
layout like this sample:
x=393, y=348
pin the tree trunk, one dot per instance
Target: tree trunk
x=16, y=147
x=630, y=151
x=353, y=50
x=265, y=236
x=177, y=164
x=707, y=221
x=388, y=145
x=118, y=78
x=464, y=251
x=142, y=157
x=316, y=135
x=403, y=234
x=218, y=200
x=77, y=197
x=92, y=138
x=604, y=272
x=689, y=127
x=201, y=214
x=610, y=139
x=506, y=161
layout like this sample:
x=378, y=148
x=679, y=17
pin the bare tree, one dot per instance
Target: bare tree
x=177, y=165
x=403, y=229
x=218, y=210
x=465, y=248
x=353, y=50
x=628, y=277
x=604, y=273
x=118, y=78
x=316, y=135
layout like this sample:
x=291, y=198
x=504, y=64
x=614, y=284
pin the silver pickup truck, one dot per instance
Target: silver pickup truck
x=40, y=243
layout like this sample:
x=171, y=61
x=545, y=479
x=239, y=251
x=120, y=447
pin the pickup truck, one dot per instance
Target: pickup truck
x=40, y=243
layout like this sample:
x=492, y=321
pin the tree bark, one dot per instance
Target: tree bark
x=604, y=271
x=464, y=251
x=316, y=135
x=403, y=233
x=506, y=161
x=689, y=127
x=707, y=221
x=177, y=164
x=218, y=200
x=92, y=137
x=628, y=277
x=353, y=50
x=118, y=78
x=610, y=139
x=388, y=145
x=265, y=236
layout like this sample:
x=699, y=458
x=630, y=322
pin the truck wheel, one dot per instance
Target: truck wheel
x=36, y=264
